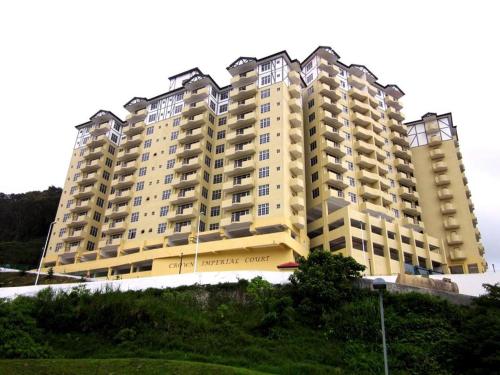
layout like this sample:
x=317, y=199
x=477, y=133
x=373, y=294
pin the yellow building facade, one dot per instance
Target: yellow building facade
x=289, y=156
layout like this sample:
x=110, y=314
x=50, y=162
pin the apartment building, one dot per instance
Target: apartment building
x=289, y=156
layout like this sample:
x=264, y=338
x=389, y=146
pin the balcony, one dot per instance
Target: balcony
x=294, y=91
x=191, y=136
x=480, y=247
x=240, y=151
x=296, y=151
x=99, y=129
x=448, y=208
x=239, y=167
x=242, y=106
x=87, y=179
x=295, y=105
x=117, y=211
x=123, y=182
x=298, y=221
x=330, y=119
x=442, y=180
x=85, y=192
x=132, y=141
x=236, y=222
x=114, y=227
x=329, y=92
x=335, y=164
x=295, y=120
x=133, y=129
x=467, y=192
x=185, y=197
x=358, y=94
x=404, y=166
x=297, y=167
x=196, y=95
x=396, y=126
x=366, y=162
x=243, y=93
x=297, y=203
x=329, y=105
x=242, y=121
x=332, y=148
x=182, y=214
x=238, y=184
x=369, y=193
x=188, y=165
x=477, y=233
x=398, y=139
x=79, y=220
x=435, y=140
x=245, y=79
x=110, y=243
x=361, y=120
x=375, y=209
x=412, y=222
x=359, y=107
x=362, y=133
x=193, y=122
x=128, y=154
x=395, y=114
x=367, y=177
x=336, y=180
x=126, y=168
x=137, y=117
x=410, y=208
x=457, y=254
x=185, y=181
x=297, y=184
x=177, y=233
x=439, y=166
x=432, y=127
x=331, y=133
x=74, y=235
x=194, y=109
x=191, y=149
x=296, y=135
x=454, y=239
x=356, y=81
x=120, y=196
x=97, y=141
x=241, y=135
x=406, y=180
x=379, y=140
x=393, y=102
x=325, y=66
x=401, y=152
x=330, y=79
x=91, y=166
x=93, y=153
x=81, y=206
x=364, y=148
x=451, y=223
x=236, y=203
x=407, y=194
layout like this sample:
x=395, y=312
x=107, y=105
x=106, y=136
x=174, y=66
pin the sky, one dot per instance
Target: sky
x=62, y=61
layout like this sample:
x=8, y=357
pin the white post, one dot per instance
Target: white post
x=382, y=323
x=363, y=246
x=197, y=244
x=43, y=252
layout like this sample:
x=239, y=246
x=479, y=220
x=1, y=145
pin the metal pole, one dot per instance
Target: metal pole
x=197, y=244
x=386, y=366
x=43, y=252
x=361, y=226
x=180, y=265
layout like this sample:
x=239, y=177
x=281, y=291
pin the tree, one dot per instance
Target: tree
x=324, y=280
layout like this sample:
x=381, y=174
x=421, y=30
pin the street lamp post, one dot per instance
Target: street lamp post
x=197, y=243
x=43, y=252
x=380, y=285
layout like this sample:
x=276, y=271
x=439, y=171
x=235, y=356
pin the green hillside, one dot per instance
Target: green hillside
x=321, y=323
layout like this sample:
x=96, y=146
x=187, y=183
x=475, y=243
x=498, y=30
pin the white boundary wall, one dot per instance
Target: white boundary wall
x=469, y=284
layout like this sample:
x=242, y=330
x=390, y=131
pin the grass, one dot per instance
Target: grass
x=10, y=279
x=115, y=366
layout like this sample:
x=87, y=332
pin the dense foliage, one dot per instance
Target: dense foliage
x=277, y=329
x=24, y=222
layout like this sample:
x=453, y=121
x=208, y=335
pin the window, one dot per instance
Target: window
x=211, y=118
x=215, y=211
x=264, y=138
x=164, y=211
x=93, y=231
x=131, y=234
x=97, y=216
x=100, y=202
x=161, y=228
x=59, y=246
x=169, y=178
x=348, y=150
x=313, y=145
x=139, y=186
x=314, y=176
x=216, y=194
x=315, y=193
x=105, y=175
x=350, y=166
x=266, y=80
x=395, y=212
x=177, y=109
x=172, y=149
x=265, y=108
x=352, y=181
x=265, y=93
x=314, y=160
x=147, y=143
x=174, y=135
x=165, y=194
x=263, y=209
x=263, y=190
x=266, y=66
x=145, y=156
x=312, y=131
x=219, y=149
x=352, y=197
x=222, y=121
x=170, y=163
x=217, y=178
x=150, y=130
x=265, y=122
x=223, y=108
x=134, y=217
x=109, y=162
x=263, y=155
x=312, y=116
x=213, y=226
x=142, y=171
x=263, y=172
x=221, y=134
x=208, y=161
x=310, y=104
x=90, y=245
x=219, y=163
x=177, y=122
x=137, y=201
